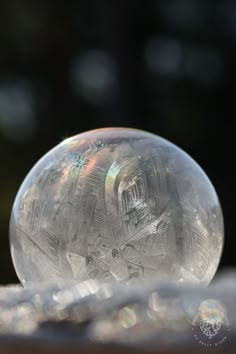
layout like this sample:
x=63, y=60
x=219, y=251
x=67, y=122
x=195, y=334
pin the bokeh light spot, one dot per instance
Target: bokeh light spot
x=184, y=14
x=163, y=56
x=204, y=65
x=93, y=76
x=17, y=111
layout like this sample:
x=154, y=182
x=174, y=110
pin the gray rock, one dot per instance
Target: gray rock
x=104, y=318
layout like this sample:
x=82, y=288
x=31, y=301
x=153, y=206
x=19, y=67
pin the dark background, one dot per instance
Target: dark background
x=163, y=66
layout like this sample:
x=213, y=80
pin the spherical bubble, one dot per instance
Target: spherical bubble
x=116, y=204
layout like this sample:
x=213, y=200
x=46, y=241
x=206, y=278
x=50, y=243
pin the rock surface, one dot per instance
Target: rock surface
x=104, y=318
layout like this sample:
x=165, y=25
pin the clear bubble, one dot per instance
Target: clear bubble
x=116, y=204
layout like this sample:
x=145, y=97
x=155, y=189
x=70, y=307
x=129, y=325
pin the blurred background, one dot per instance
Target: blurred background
x=163, y=66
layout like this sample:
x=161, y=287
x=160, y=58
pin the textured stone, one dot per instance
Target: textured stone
x=96, y=318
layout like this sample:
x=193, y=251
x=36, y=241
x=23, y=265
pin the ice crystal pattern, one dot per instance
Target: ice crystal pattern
x=116, y=204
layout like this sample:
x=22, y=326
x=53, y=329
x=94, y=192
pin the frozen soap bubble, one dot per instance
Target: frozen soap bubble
x=116, y=204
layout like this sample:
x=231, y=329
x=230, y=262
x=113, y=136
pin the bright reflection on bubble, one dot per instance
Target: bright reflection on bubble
x=212, y=311
x=154, y=301
x=63, y=297
x=84, y=289
x=19, y=319
x=127, y=317
x=93, y=76
x=17, y=111
x=204, y=65
x=163, y=56
x=165, y=312
x=37, y=301
x=104, y=293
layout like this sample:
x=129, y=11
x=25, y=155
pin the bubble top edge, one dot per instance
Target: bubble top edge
x=108, y=129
